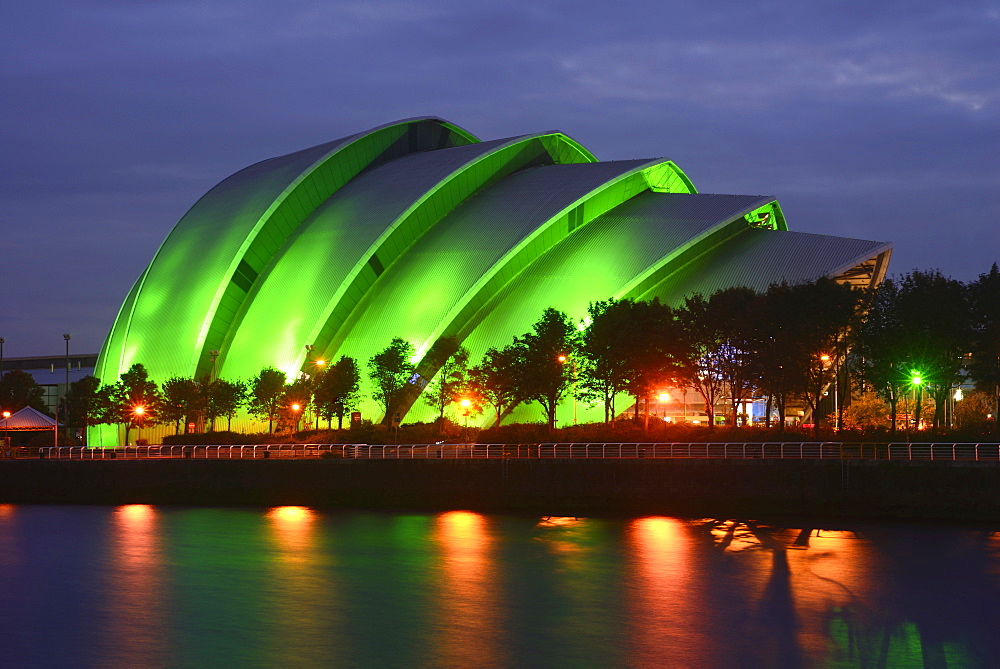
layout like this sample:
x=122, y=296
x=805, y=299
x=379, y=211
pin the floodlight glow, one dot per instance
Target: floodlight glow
x=417, y=229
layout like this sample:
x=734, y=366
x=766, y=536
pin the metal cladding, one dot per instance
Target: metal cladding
x=418, y=230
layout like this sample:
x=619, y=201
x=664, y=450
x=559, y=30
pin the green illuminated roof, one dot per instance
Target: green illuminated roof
x=419, y=230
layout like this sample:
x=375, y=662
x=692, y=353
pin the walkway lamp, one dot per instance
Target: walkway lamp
x=917, y=381
x=138, y=412
x=562, y=360
x=466, y=405
x=6, y=415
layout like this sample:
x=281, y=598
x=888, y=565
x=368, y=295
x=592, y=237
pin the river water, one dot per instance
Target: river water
x=289, y=586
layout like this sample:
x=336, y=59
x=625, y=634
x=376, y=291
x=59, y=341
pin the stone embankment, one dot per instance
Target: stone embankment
x=844, y=489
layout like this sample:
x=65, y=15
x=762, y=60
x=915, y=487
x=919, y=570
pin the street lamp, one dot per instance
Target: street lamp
x=466, y=404
x=664, y=397
x=6, y=415
x=138, y=412
x=66, y=389
x=917, y=381
x=296, y=408
x=562, y=360
x=836, y=389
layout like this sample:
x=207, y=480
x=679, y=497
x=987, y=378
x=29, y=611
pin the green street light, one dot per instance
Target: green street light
x=916, y=380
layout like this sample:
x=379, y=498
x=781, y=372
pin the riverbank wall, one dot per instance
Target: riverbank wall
x=857, y=489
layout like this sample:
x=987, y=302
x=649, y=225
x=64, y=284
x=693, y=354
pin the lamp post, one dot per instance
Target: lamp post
x=836, y=384
x=562, y=360
x=296, y=408
x=2, y=342
x=66, y=388
x=466, y=408
x=917, y=381
x=6, y=415
x=138, y=413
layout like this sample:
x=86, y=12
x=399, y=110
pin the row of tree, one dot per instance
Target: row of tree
x=920, y=333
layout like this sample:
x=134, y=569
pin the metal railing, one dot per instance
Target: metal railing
x=822, y=450
x=220, y=452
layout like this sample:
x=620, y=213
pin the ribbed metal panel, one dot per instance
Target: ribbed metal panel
x=758, y=258
x=422, y=287
x=319, y=257
x=605, y=256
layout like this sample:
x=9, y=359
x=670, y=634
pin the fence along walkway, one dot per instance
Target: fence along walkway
x=987, y=452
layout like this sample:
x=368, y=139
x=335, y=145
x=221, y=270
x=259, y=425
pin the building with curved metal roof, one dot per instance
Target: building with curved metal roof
x=417, y=229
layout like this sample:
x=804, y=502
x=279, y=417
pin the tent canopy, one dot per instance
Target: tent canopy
x=27, y=419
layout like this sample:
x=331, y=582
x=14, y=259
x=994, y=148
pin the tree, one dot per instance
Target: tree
x=182, y=400
x=866, y=413
x=295, y=401
x=391, y=370
x=731, y=311
x=18, y=389
x=974, y=409
x=222, y=398
x=827, y=312
x=778, y=357
x=702, y=367
x=938, y=331
x=266, y=390
x=134, y=401
x=879, y=356
x=450, y=381
x=984, y=363
x=541, y=376
x=495, y=382
x=651, y=347
x=919, y=326
x=603, y=353
x=81, y=404
x=337, y=390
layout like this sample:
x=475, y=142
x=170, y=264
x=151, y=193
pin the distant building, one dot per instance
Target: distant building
x=419, y=230
x=49, y=372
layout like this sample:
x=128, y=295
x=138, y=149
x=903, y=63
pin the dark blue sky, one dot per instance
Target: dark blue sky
x=876, y=120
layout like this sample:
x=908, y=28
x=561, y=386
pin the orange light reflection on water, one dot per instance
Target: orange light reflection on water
x=667, y=621
x=137, y=630
x=835, y=573
x=302, y=603
x=467, y=621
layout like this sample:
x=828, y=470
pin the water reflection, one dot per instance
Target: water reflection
x=467, y=630
x=290, y=586
x=305, y=620
x=136, y=628
x=667, y=623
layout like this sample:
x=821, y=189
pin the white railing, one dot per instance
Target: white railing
x=989, y=452
x=220, y=452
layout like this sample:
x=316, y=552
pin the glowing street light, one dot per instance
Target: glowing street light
x=138, y=412
x=562, y=359
x=917, y=381
x=6, y=415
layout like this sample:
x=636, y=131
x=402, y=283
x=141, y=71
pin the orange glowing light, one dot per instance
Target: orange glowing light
x=321, y=362
x=664, y=397
x=824, y=357
x=296, y=407
x=562, y=358
x=6, y=414
x=466, y=402
x=291, y=514
x=139, y=410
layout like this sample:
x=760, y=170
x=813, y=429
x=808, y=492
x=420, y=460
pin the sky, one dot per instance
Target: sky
x=875, y=120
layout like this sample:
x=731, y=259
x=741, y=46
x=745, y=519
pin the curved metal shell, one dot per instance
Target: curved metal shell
x=416, y=229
